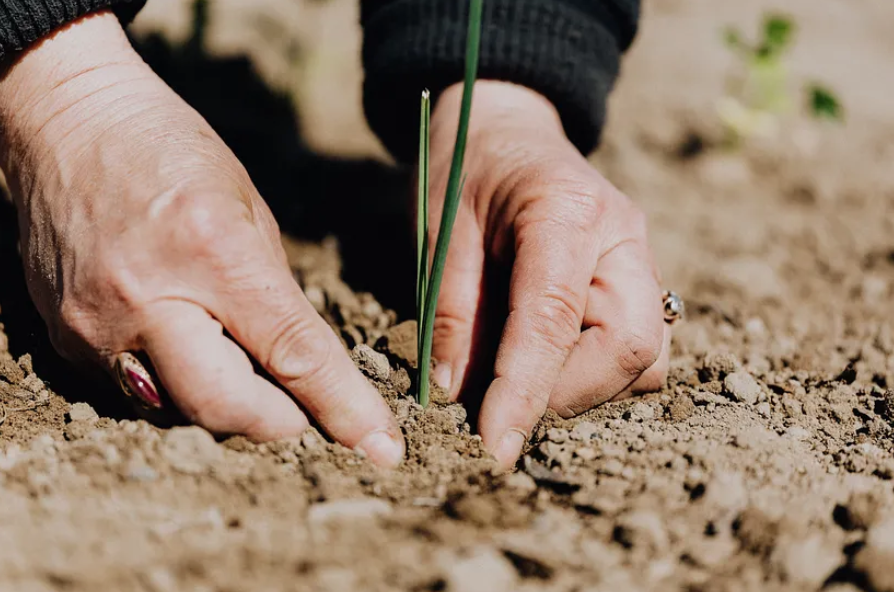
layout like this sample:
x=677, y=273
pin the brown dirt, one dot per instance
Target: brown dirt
x=766, y=463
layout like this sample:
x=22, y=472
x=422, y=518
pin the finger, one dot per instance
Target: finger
x=269, y=315
x=212, y=381
x=548, y=295
x=457, y=317
x=626, y=320
x=653, y=379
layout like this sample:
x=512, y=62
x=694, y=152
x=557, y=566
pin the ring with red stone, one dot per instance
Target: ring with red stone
x=136, y=381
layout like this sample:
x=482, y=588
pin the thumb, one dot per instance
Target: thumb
x=458, y=304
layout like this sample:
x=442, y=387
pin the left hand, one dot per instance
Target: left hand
x=585, y=321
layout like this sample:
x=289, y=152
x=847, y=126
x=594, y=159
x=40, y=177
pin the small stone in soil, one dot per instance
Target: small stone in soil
x=191, y=450
x=586, y=454
x=349, y=509
x=642, y=412
x=717, y=366
x=483, y=570
x=876, y=559
x=584, y=431
x=807, y=562
x=401, y=342
x=82, y=412
x=798, y=433
x=10, y=370
x=681, y=408
x=742, y=387
x=557, y=435
x=371, y=362
x=520, y=482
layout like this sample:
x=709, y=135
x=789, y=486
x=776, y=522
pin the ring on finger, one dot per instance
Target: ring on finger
x=674, y=307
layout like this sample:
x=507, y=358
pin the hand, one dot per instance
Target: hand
x=141, y=231
x=585, y=322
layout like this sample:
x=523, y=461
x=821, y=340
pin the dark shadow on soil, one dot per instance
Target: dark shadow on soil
x=312, y=196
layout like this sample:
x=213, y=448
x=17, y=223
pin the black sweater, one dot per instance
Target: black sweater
x=568, y=50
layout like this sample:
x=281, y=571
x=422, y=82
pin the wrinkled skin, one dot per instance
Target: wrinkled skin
x=578, y=256
x=142, y=232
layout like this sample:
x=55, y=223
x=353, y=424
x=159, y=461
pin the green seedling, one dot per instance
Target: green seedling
x=428, y=282
x=759, y=94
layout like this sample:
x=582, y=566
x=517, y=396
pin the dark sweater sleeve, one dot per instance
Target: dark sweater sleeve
x=22, y=22
x=567, y=50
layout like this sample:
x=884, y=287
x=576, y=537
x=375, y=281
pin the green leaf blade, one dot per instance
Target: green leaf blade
x=452, y=198
x=422, y=215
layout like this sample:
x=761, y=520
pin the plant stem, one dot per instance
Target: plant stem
x=451, y=199
x=422, y=216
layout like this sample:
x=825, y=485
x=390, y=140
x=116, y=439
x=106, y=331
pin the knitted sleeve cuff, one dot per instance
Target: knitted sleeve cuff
x=567, y=50
x=22, y=22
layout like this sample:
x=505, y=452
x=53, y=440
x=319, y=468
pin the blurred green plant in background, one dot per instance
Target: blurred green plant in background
x=758, y=94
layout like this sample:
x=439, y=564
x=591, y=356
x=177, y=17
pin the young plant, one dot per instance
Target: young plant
x=759, y=95
x=428, y=282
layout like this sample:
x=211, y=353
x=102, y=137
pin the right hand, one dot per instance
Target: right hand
x=142, y=232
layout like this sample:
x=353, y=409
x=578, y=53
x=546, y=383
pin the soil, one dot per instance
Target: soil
x=765, y=464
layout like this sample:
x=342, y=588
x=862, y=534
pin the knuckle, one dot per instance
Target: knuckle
x=450, y=323
x=199, y=221
x=638, y=351
x=295, y=356
x=533, y=397
x=557, y=315
x=569, y=409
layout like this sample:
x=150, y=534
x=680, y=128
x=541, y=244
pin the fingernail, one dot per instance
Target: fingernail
x=137, y=382
x=443, y=375
x=383, y=448
x=509, y=449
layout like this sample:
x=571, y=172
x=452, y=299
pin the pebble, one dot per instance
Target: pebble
x=82, y=412
x=681, y=408
x=557, y=435
x=586, y=454
x=402, y=341
x=716, y=366
x=191, y=450
x=612, y=468
x=10, y=370
x=33, y=384
x=711, y=552
x=807, y=562
x=798, y=433
x=642, y=412
x=348, y=509
x=372, y=362
x=586, y=430
x=764, y=409
x=483, y=570
x=742, y=387
x=520, y=482
x=876, y=559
